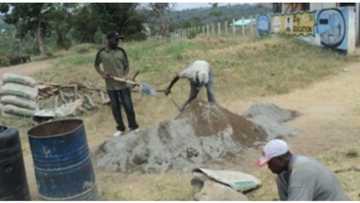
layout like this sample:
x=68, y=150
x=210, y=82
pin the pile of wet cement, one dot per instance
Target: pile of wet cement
x=271, y=118
x=200, y=134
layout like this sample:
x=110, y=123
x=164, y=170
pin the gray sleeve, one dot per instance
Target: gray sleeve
x=282, y=188
x=302, y=186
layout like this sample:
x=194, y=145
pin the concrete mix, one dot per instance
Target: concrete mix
x=201, y=133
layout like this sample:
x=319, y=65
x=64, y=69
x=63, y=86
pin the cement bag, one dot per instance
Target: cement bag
x=19, y=90
x=236, y=180
x=17, y=111
x=18, y=101
x=1, y=108
x=19, y=79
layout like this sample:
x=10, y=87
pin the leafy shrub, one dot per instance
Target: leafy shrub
x=83, y=48
x=4, y=60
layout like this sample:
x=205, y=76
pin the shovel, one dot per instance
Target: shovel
x=145, y=88
x=172, y=101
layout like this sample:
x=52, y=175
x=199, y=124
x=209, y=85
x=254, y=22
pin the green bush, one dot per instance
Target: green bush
x=192, y=34
x=4, y=60
x=83, y=48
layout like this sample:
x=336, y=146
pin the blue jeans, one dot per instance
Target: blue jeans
x=122, y=99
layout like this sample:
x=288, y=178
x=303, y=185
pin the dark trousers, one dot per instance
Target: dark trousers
x=122, y=99
x=195, y=89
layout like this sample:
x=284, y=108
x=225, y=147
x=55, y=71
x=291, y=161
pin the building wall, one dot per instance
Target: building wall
x=288, y=7
x=319, y=6
x=357, y=23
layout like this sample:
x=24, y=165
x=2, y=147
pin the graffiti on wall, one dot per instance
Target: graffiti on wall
x=331, y=27
x=263, y=26
x=303, y=23
x=294, y=24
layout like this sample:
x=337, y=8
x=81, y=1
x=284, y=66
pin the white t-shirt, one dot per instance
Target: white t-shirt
x=198, y=71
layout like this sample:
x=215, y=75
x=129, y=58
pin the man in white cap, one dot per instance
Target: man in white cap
x=300, y=178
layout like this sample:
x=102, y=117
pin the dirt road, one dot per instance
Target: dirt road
x=26, y=68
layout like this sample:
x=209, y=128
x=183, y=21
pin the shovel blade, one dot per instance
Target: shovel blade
x=147, y=90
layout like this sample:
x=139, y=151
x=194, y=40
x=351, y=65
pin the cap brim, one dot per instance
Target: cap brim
x=262, y=161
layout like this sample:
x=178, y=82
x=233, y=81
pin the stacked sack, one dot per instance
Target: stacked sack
x=18, y=95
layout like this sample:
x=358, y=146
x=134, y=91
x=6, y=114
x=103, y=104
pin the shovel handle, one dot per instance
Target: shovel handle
x=162, y=90
x=125, y=80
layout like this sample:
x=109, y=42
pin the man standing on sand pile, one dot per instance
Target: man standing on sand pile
x=199, y=74
x=300, y=178
x=113, y=61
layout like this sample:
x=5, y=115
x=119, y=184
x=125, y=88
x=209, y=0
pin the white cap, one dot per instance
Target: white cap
x=272, y=149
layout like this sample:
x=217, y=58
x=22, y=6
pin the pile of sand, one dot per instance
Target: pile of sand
x=200, y=134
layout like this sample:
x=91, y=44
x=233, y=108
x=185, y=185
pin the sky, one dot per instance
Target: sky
x=183, y=6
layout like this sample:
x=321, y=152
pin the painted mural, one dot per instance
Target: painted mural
x=325, y=27
x=263, y=25
x=331, y=27
x=294, y=24
x=303, y=23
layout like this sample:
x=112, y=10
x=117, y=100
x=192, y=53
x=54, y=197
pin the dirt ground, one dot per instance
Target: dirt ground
x=27, y=68
x=330, y=127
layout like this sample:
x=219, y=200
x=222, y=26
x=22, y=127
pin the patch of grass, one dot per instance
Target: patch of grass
x=155, y=187
x=352, y=153
x=75, y=60
x=243, y=67
x=84, y=48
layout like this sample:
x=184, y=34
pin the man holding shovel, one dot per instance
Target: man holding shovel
x=112, y=62
x=199, y=75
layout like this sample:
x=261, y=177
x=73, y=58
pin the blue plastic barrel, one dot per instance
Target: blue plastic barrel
x=63, y=168
x=13, y=184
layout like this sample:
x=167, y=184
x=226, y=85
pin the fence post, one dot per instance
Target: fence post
x=233, y=27
x=253, y=26
x=250, y=26
x=226, y=27
x=219, y=28
x=207, y=30
x=243, y=26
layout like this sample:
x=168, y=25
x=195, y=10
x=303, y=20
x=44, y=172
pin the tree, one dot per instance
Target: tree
x=120, y=17
x=160, y=9
x=61, y=23
x=29, y=17
x=215, y=10
x=84, y=23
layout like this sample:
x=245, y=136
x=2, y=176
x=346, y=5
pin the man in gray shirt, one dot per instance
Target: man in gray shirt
x=300, y=178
